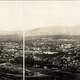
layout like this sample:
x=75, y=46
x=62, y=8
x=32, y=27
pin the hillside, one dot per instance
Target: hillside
x=55, y=30
x=10, y=35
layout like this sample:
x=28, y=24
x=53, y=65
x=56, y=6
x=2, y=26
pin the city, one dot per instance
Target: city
x=56, y=57
x=11, y=58
x=39, y=40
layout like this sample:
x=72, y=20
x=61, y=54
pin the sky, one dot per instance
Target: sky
x=26, y=15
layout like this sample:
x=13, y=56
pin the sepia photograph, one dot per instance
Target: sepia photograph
x=11, y=41
x=52, y=41
x=40, y=40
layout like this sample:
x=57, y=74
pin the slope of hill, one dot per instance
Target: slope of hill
x=10, y=35
x=55, y=30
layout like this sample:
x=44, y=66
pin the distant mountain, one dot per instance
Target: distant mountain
x=55, y=30
x=10, y=35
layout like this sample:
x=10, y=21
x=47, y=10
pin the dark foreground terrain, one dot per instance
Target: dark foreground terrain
x=52, y=75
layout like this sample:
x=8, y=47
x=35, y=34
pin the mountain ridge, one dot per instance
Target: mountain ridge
x=55, y=30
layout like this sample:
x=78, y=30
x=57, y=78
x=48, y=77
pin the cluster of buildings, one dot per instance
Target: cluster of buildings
x=10, y=50
x=65, y=52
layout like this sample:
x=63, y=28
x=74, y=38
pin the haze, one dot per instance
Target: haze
x=26, y=15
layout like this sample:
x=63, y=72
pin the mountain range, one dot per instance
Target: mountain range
x=10, y=35
x=54, y=30
x=43, y=31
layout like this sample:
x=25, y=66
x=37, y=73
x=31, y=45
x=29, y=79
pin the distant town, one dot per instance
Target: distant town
x=11, y=58
x=49, y=55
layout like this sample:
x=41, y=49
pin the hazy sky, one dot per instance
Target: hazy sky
x=25, y=15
